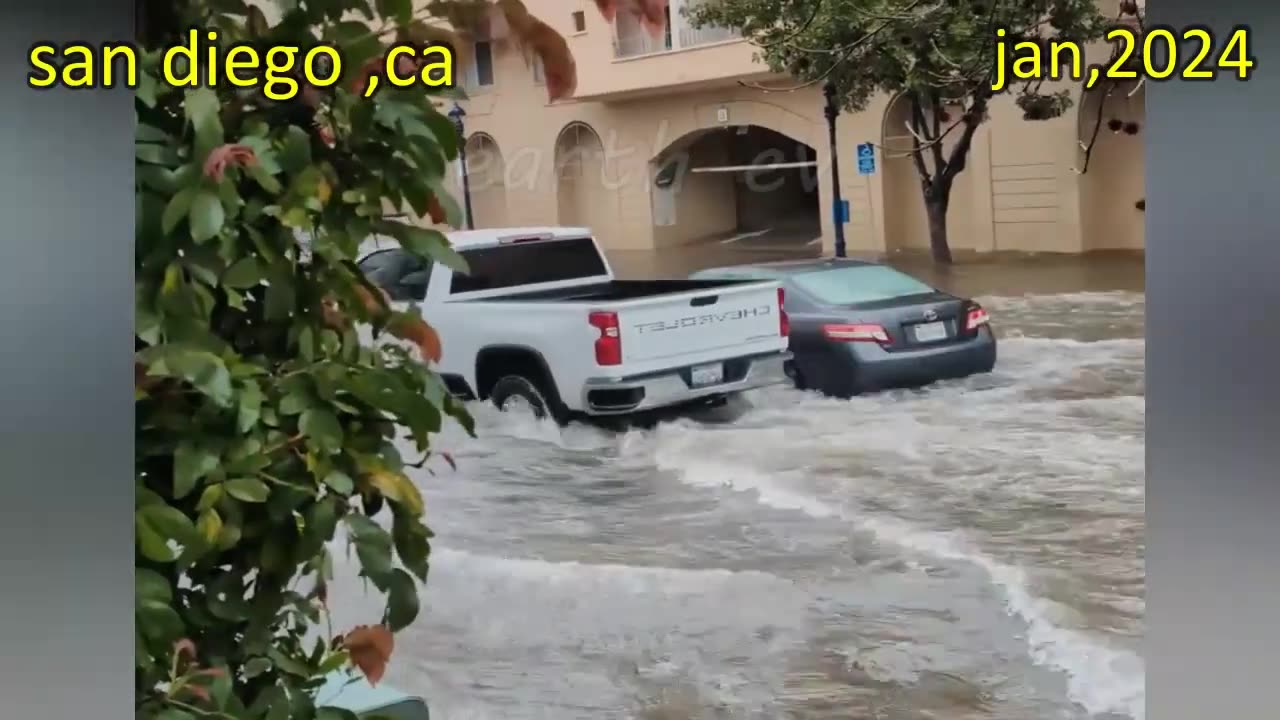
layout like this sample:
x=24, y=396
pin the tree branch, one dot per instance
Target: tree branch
x=917, y=154
x=936, y=108
x=844, y=52
x=1097, y=127
x=817, y=9
x=923, y=143
x=886, y=21
x=971, y=119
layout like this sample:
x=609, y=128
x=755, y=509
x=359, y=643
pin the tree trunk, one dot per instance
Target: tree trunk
x=935, y=205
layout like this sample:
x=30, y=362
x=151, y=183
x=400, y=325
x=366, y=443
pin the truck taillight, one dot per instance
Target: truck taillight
x=609, y=344
x=976, y=318
x=784, y=322
x=855, y=333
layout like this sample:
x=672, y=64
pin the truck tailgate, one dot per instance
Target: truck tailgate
x=741, y=316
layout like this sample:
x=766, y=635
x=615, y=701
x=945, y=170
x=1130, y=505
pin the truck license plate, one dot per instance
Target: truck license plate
x=929, y=332
x=703, y=375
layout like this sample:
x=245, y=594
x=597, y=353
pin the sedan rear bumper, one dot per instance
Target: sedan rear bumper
x=878, y=369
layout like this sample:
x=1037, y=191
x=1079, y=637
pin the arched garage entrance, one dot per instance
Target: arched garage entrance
x=1114, y=180
x=746, y=183
x=906, y=226
x=486, y=174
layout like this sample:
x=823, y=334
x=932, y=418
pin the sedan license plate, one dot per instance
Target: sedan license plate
x=703, y=375
x=930, y=332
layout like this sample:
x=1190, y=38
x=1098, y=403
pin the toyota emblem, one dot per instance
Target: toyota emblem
x=930, y=314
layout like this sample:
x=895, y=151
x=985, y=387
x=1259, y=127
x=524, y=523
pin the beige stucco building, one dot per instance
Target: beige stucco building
x=649, y=152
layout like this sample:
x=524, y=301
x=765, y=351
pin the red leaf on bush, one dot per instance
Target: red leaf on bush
x=436, y=211
x=418, y=332
x=652, y=14
x=185, y=649
x=370, y=648
x=371, y=303
x=608, y=9
x=559, y=68
x=515, y=14
x=200, y=692
x=371, y=67
x=224, y=156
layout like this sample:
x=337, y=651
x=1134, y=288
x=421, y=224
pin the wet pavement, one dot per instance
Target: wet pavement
x=969, y=550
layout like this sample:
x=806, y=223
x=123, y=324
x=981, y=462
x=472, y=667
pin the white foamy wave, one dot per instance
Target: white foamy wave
x=573, y=571
x=524, y=427
x=1121, y=298
x=1108, y=345
x=1100, y=678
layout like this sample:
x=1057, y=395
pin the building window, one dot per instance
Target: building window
x=579, y=21
x=483, y=61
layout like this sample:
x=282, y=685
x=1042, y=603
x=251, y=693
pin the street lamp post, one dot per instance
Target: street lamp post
x=456, y=114
x=832, y=111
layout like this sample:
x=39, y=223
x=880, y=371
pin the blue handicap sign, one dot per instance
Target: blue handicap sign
x=866, y=159
x=841, y=212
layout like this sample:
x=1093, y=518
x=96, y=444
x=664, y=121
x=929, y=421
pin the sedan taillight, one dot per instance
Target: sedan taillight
x=976, y=318
x=863, y=332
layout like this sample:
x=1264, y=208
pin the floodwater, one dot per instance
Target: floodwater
x=969, y=551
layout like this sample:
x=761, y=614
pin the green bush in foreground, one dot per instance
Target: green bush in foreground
x=264, y=424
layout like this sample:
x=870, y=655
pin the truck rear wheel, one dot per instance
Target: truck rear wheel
x=512, y=391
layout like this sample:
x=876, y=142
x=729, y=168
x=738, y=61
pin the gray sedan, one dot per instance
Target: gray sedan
x=859, y=326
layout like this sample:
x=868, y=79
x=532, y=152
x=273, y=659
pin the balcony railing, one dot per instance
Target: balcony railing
x=640, y=42
x=631, y=43
x=630, y=39
x=706, y=35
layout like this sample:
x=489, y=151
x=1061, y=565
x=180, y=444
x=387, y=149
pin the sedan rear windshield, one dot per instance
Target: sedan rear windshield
x=859, y=284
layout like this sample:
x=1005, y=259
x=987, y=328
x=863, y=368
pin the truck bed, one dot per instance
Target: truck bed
x=614, y=290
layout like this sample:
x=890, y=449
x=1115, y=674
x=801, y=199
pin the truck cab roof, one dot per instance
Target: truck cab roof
x=461, y=239
x=466, y=239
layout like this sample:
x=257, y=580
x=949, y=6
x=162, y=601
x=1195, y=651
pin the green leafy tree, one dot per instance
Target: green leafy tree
x=266, y=427
x=940, y=57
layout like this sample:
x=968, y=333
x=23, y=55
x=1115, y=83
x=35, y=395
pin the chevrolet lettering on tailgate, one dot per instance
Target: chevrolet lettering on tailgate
x=705, y=319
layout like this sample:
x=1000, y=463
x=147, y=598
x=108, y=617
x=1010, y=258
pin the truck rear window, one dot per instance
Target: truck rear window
x=528, y=263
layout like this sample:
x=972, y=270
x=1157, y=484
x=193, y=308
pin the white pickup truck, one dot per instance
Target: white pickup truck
x=540, y=319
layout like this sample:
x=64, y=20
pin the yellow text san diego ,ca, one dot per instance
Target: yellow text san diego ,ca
x=202, y=62
x=1159, y=53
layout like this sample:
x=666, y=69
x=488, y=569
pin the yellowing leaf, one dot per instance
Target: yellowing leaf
x=172, y=279
x=324, y=191
x=398, y=488
x=210, y=526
